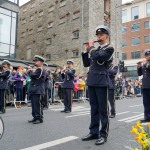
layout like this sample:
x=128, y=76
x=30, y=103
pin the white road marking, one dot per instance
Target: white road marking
x=75, y=108
x=52, y=143
x=137, y=112
x=82, y=109
x=134, y=119
x=136, y=106
x=125, y=119
x=122, y=113
x=77, y=115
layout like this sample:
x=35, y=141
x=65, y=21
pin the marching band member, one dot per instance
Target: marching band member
x=113, y=70
x=37, y=89
x=98, y=82
x=4, y=76
x=68, y=77
x=144, y=69
x=47, y=87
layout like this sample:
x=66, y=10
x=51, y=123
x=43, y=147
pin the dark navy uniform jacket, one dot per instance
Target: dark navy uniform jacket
x=68, y=78
x=4, y=76
x=99, y=63
x=145, y=71
x=113, y=70
x=37, y=84
x=47, y=85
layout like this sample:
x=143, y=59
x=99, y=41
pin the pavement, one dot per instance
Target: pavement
x=62, y=131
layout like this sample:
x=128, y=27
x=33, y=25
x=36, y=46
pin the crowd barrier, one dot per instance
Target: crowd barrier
x=77, y=96
x=56, y=94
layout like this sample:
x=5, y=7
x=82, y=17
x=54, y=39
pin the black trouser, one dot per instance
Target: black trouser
x=2, y=99
x=37, y=109
x=45, y=99
x=111, y=97
x=19, y=94
x=99, y=110
x=68, y=99
x=146, y=103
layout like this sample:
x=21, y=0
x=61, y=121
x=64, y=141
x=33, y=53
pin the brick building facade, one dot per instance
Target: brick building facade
x=57, y=29
x=135, y=33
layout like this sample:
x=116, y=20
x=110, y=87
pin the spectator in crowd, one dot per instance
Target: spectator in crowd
x=81, y=85
x=19, y=78
x=76, y=88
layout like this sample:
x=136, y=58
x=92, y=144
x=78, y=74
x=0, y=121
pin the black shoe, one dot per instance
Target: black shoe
x=145, y=120
x=2, y=111
x=38, y=121
x=101, y=141
x=112, y=116
x=67, y=111
x=63, y=111
x=45, y=108
x=90, y=137
x=31, y=121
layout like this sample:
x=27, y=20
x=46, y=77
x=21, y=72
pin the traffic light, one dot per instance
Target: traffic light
x=122, y=68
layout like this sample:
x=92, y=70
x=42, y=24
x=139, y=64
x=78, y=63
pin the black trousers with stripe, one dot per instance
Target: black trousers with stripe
x=99, y=110
x=146, y=103
x=68, y=99
x=111, y=97
x=2, y=99
x=37, y=108
x=45, y=99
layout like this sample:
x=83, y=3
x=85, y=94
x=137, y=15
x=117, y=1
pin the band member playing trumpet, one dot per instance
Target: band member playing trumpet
x=4, y=76
x=37, y=89
x=68, y=77
x=98, y=82
x=144, y=69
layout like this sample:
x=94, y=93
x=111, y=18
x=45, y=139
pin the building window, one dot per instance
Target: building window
x=147, y=39
x=76, y=14
x=124, y=29
x=23, y=34
x=62, y=20
x=136, y=55
x=148, y=9
x=23, y=21
x=30, y=31
x=136, y=27
x=124, y=56
x=75, y=53
x=48, y=56
x=76, y=34
x=135, y=13
x=7, y=33
x=51, y=9
x=63, y=3
x=49, y=41
x=50, y=24
x=147, y=24
x=31, y=17
x=124, y=16
x=124, y=43
x=41, y=13
x=28, y=54
x=40, y=28
x=135, y=41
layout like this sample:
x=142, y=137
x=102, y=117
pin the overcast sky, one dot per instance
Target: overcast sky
x=24, y=1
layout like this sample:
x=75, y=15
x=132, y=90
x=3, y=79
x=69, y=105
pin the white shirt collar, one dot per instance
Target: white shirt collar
x=103, y=45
